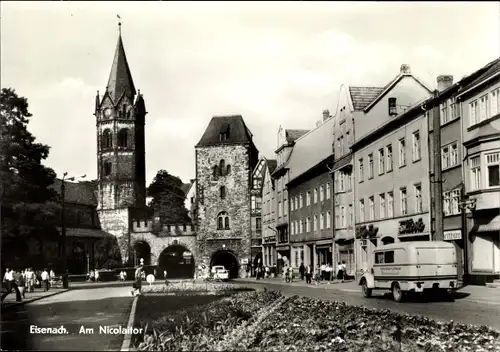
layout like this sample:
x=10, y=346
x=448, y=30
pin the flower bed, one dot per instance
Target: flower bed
x=266, y=321
x=315, y=325
x=203, y=327
x=193, y=287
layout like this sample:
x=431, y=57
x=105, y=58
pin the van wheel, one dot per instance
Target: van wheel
x=397, y=293
x=367, y=292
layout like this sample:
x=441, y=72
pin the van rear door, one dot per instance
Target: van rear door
x=436, y=262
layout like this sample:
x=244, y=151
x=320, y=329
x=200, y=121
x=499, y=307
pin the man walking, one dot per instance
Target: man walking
x=45, y=280
x=302, y=271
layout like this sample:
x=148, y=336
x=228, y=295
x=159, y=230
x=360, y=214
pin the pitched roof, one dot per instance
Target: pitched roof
x=120, y=79
x=311, y=149
x=491, y=69
x=271, y=165
x=292, y=135
x=76, y=192
x=234, y=126
x=362, y=96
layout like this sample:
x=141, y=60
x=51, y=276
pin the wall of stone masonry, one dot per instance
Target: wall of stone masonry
x=115, y=222
x=236, y=204
x=158, y=244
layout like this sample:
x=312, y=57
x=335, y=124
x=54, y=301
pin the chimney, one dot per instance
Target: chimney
x=405, y=69
x=326, y=114
x=444, y=82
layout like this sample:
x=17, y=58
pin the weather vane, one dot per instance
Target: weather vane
x=119, y=23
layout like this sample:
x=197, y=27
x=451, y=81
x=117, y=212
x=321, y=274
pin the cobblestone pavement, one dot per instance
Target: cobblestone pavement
x=90, y=308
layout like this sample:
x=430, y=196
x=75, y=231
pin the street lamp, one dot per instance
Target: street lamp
x=466, y=204
x=63, y=228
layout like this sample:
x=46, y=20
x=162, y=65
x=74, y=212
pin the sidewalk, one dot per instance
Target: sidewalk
x=39, y=293
x=348, y=286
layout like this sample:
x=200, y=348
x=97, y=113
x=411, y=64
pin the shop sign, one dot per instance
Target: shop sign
x=270, y=239
x=244, y=261
x=453, y=235
x=410, y=227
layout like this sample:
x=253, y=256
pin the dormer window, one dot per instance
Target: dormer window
x=224, y=133
x=392, y=107
x=223, y=136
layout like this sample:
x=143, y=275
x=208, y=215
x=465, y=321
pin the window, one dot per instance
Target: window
x=416, y=146
x=390, y=205
x=308, y=198
x=494, y=102
x=388, y=150
x=382, y=205
x=301, y=226
x=258, y=223
x=123, y=138
x=301, y=202
x=362, y=210
x=228, y=171
x=223, y=136
x=370, y=166
x=381, y=162
x=285, y=207
x=292, y=204
x=371, y=210
x=341, y=181
x=328, y=220
x=107, y=139
x=342, y=216
x=315, y=224
x=296, y=201
x=449, y=156
x=475, y=173
x=473, y=113
x=402, y=152
x=384, y=257
x=493, y=169
x=308, y=224
x=280, y=209
x=223, y=196
x=350, y=216
x=418, y=198
x=222, y=221
x=404, y=201
x=293, y=228
x=361, y=173
x=337, y=216
x=483, y=108
x=451, y=201
x=216, y=171
x=106, y=168
x=328, y=191
x=392, y=107
x=349, y=181
x=444, y=113
x=321, y=221
x=315, y=194
x=222, y=167
x=321, y=193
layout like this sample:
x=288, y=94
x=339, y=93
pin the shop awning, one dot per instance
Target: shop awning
x=491, y=226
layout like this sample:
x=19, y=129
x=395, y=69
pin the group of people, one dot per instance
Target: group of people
x=22, y=281
x=93, y=275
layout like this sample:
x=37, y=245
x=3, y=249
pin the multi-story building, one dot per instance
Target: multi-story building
x=391, y=167
x=481, y=135
x=268, y=214
x=286, y=142
x=309, y=191
x=225, y=159
x=190, y=201
x=256, y=213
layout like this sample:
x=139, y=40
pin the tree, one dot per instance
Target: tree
x=29, y=207
x=168, y=199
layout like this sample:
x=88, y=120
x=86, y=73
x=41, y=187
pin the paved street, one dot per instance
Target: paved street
x=90, y=308
x=469, y=310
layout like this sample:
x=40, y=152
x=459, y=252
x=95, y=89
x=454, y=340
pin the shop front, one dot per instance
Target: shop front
x=455, y=236
x=324, y=252
x=282, y=257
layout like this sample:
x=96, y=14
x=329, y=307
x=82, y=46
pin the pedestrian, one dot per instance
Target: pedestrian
x=8, y=279
x=137, y=285
x=267, y=272
x=323, y=271
x=21, y=284
x=344, y=270
x=29, y=280
x=18, y=284
x=308, y=271
x=317, y=275
x=45, y=280
x=96, y=275
x=340, y=275
x=302, y=271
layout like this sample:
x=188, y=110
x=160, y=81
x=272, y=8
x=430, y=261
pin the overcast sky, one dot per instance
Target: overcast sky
x=275, y=63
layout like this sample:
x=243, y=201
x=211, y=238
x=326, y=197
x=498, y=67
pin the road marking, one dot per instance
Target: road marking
x=480, y=301
x=127, y=339
x=348, y=290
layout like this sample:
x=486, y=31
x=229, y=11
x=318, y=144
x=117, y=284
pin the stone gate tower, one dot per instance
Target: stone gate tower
x=121, y=164
x=225, y=159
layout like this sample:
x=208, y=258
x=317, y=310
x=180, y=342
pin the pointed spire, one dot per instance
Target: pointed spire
x=97, y=101
x=120, y=79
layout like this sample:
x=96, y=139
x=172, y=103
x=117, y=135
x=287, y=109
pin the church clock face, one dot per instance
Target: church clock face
x=107, y=112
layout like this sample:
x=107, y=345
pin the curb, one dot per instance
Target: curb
x=16, y=304
x=127, y=339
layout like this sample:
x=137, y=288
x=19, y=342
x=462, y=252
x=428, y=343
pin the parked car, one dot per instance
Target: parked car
x=219, y=272
x=412, y=267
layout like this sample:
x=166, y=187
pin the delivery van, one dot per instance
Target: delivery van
x=412, y=267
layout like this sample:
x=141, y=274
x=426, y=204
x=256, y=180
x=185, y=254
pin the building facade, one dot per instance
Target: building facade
x=268, y=215
x=256, y=211
x=225, y=159
x=391, y=167
x=286, y=143
x=310, y=195
x=480, y=104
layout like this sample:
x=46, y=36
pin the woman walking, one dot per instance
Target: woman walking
x=138, y=281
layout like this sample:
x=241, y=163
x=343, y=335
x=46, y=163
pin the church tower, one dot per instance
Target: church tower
x=121, y=163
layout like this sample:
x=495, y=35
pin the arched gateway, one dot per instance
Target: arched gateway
x=228, y=259
x=178, y=261
x=142, y=250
